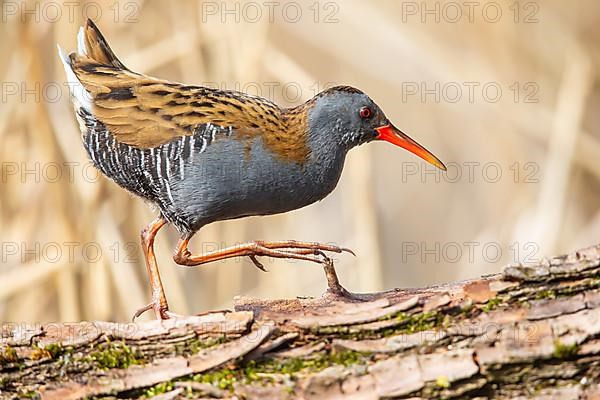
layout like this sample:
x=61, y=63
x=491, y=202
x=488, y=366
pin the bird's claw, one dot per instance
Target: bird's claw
x=257, y=263
x=347, y=250
x=141, y=311
x=337, y=249
x=322, y=254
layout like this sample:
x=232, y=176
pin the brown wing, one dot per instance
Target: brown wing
x=146, y=112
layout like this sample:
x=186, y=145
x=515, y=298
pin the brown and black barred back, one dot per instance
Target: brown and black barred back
x=147, y=112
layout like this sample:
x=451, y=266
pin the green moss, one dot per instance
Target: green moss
x=294, y=365
x=52, y=350
x=408, y=324
x=55, y=349
x=259, y=371
x=442, y=382
x=32, y=394
x=545, y=294
x=8, y=355
x=113, y=355
x=564, y=291
x=491, y=304
x=222, y=378
x=403, y=324
x=332, y=330
x=197, y=344
x=564, y=351
x=160, y=388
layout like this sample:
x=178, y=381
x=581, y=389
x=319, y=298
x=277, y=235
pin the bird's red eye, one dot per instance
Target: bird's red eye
x=365, y=113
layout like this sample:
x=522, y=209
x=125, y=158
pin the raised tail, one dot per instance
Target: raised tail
x=91, y=43
x=93, y=52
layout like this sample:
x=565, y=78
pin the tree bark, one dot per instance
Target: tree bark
x=530, y=332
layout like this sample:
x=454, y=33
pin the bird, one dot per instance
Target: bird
x=200, y=155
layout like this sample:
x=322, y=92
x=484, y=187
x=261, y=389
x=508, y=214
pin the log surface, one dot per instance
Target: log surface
x=531, y=332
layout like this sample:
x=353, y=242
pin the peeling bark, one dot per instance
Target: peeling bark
x=531, y=332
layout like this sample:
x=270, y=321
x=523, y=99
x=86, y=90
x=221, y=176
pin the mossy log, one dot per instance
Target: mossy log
x=530, y=332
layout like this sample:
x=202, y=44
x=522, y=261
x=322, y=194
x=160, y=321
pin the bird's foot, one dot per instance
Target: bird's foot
x=339, y=293
x=161, y=310
x=298, y=247
x=292, y=249
x=311, y=252
x=335, y=290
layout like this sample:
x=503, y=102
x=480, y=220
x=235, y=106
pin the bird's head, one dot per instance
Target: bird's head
x=346, y=117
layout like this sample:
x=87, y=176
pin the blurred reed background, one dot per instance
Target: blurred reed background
x=70, y=247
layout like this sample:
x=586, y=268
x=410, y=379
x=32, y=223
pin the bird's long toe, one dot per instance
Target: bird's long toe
x=141, y=311
x=162, y=312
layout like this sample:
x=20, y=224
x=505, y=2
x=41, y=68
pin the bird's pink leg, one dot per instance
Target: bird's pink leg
x=289, y=249
x=159, y=301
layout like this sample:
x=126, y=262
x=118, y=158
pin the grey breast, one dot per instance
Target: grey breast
x=234, y=178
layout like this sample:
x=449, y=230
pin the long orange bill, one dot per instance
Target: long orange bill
x=391, y=134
